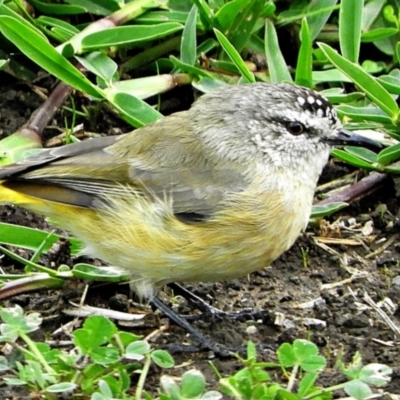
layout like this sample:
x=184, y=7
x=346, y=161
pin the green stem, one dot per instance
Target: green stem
x=142, y=378
x=32, y=346
x=28, y=263
x=330, y=389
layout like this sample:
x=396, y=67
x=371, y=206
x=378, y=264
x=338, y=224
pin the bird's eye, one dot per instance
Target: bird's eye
x=295, y=128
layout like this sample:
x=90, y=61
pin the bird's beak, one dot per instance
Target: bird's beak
x=345, y=137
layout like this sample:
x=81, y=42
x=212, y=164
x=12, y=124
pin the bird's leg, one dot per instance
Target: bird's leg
x=205, y=343
x=206, y=308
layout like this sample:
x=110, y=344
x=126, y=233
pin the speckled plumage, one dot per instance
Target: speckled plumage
x=211, y=193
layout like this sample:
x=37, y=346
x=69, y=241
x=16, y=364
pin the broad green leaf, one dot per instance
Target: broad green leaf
x=357, y=389
x=330, y=75
x=99, y=7
x=371, y=10
x=100, y=64
x=234, y=56
x=364, y=154
x=61, y=387
x=376, y=374
x=157, y=17
x=205, y=12
x=162, y=358
x=378, y=34
x=350, y=16
x=367, y=83
x=277, y=67
x=32, y=239
x=50, y=22
x=38, y=49
x=237, y=20
x=286, y=355
x=193, y=384
x=189, y=39
x=124, y=35
x=390, y=154
x=132, y=109
x=304, y=59
x=338, y=96
x=87, y=271
x=325, y=210
x=318, y=14
x=390, y=83
x=353, y=160
x=364, y=113
x=98, y=323
x=57, y=9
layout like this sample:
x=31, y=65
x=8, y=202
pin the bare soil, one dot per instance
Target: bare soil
x=316, y=291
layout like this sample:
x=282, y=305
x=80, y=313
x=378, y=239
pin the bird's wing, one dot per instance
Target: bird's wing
x=164, y=160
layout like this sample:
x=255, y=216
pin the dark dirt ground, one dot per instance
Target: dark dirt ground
x=315, y=291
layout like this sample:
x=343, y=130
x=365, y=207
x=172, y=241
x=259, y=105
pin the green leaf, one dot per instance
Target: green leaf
x=134, y=110
x=350, y=17
x=100, y=64
x=157, y=17
x=104, y=355
x=206, y=14
x=57, y=9
x=304, y=59
x=378, y=34
x=319, y=211
x=251, y=351
x=286, y=355
x=364, y=114
x=390, y=83
x=337, y=95
x=371, y=11
x=234, y=56
x=357, y=389
x=277, y=67
x=61, y=387
x=306, y=383
x=137, y=350
x=376, y=374
x=162, y=358
x=98, y=324
x=367, y=83
x=124, y=35
x=304, y=349
x=364, y=154
x=189, y=39
x=32, y=239
x=331, y=75
x=353, y=160
x=318, y=14
x=388, y=155
x=91, y=272
x=238, y=18
x=193, y=384
x=313, y=363
x=32, y=43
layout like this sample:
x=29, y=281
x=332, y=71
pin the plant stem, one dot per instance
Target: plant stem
x=32, y=346
x=142, y=378
x=292, y=378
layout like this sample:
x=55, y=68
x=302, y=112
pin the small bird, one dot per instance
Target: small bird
x=208, y=194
